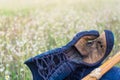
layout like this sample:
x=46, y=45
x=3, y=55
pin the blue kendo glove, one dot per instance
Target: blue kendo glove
x=98, y=50
x=58, y=63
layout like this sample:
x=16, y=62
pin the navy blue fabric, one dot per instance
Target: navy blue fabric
x=54, y=65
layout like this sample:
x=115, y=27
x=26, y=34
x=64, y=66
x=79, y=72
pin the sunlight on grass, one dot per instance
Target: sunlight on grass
x=28, y=28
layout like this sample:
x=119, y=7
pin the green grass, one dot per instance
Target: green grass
x=31, y=29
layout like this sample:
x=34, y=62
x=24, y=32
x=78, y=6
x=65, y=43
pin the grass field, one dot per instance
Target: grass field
x=29, y=28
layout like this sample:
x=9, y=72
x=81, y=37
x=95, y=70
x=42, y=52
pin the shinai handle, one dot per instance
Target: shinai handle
x=106, y=66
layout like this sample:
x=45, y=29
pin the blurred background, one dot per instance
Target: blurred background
x=30, y=27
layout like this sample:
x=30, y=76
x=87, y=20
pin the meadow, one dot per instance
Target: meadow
x=28, y=28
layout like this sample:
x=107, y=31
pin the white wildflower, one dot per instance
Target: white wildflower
x=7, y=72
x=21, y=69
x=2, y=68
x=7, y=77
